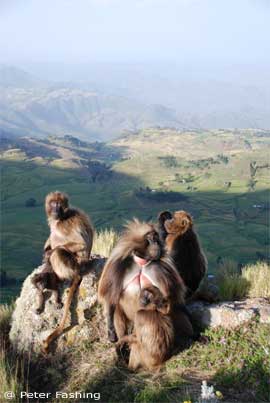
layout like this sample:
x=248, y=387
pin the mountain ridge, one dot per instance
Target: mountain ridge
x=30, y=106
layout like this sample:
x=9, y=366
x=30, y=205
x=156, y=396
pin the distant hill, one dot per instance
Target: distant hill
x=103, y=109
x=40, y=109
x=12, y=77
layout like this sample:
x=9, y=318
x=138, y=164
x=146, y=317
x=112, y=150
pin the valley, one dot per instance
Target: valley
x=220, y=176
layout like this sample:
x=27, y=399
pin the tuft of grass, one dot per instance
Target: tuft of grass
x=5, y=316
x=252, y=281
x=231, y=284
x=9, y=374
x=258, y=277
x=104, y=242
x=11, y=367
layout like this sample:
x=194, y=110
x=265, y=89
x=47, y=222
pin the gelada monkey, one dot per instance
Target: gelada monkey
x=152, y=340
x=66, y=250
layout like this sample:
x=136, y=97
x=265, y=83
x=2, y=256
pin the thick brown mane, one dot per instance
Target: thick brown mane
x=123, y=279
x=132, y=239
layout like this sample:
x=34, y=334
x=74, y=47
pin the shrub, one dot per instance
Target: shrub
x=230, y=282
x=169, y=161
x=104, y=242
x=223, y=158
x=9, y=364
x=5, y=316
x=160, y=196
x=253, y=281
x=258, y=276
x=9, y=379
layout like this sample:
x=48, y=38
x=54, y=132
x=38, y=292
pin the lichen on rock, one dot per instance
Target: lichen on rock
x=230, y=314
x=28, y=329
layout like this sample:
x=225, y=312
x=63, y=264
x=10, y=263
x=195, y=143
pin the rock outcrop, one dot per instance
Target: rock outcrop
x=230, y=314
x=86, y=323
x=28, y=329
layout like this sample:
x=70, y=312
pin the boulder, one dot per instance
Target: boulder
x=28, y=329
x=230, y=314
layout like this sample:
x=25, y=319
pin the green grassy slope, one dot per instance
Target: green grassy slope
x=228, y=223
x=235, y=362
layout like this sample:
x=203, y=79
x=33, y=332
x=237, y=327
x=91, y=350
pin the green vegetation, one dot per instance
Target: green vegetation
x=152, y=195
x=236, y=283
x=10, y=365
x=207, y=162
x=258, y=277
x=5, y=316
x=104, y=242
x=232, y=286
x=169, y=161
x=231, y=221
x=235, y=362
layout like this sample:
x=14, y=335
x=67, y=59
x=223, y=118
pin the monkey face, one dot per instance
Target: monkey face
x=153, y=249
x=152, y=299
x=56, y=205
x=179, y=224
x=149, y=248
x=57, y=211
x=154, y=246
x=146, y=297
x=150, y=295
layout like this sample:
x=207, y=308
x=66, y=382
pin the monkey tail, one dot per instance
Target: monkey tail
x=59, y=330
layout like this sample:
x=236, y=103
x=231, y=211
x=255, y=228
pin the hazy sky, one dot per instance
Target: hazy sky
x=135, y=31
